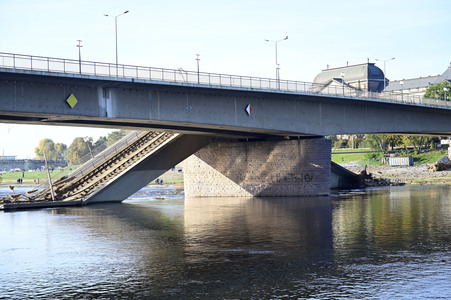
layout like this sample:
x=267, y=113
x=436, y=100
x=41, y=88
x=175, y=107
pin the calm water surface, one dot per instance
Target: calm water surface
x=380, y=244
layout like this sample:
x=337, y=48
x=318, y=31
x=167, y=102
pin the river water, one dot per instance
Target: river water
x=390, y=243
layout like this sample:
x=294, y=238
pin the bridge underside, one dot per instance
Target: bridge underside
x=223, y=168
x=189, y=128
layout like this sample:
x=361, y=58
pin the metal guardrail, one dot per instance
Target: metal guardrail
x=91, y=160
x=71, y=66
x=106, y=154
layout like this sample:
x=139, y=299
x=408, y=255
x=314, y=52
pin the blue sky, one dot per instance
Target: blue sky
x=229, y=36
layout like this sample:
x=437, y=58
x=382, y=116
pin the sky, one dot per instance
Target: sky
x=230, y=38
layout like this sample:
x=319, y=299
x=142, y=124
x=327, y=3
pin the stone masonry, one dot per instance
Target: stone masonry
x=265, y=169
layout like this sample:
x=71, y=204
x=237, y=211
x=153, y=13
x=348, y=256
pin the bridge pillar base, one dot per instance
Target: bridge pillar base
x=265, y=169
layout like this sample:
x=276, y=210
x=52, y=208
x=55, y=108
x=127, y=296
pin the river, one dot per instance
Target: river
x=392, y=243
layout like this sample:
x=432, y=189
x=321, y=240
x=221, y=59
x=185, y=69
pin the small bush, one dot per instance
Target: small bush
x=373, y=156
x=341, y=144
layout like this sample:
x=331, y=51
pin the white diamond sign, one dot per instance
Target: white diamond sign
x=249, y=109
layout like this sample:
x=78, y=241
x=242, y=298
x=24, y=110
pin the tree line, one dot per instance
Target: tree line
x=382, y=142
x=80, y=148
x=385, y=142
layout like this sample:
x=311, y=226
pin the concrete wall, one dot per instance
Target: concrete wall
x=266, y=169
x=28, y=164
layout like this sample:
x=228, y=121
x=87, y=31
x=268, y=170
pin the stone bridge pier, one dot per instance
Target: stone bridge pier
x=265, y=169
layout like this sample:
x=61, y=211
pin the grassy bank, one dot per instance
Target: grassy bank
x=365, y=157
x=31, y=178
x=35, y=178
x=356, y=156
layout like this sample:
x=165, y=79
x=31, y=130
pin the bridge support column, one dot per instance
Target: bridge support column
x=265, y=169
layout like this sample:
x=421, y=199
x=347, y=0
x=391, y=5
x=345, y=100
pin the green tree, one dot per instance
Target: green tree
x=382, y=142
x=437, y=91
x=376, y=142
x=47, y=146
x=79, y=150
x=101, y=141
x=115, y=136
x=100, y=145
x=418, y=141
x=393, y=140
x=61, y=149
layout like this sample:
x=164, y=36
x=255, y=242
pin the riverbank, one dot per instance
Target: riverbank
x=396, y=175
x=409, y=175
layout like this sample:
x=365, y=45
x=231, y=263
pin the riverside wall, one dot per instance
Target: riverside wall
x=28, y=164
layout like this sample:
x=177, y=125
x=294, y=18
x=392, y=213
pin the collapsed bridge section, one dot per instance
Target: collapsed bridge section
x=101, y=178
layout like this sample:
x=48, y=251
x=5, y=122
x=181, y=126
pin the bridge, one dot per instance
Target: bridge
x=249, y=136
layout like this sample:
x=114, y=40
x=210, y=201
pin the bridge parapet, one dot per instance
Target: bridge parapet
x=106, y=154
x=182, y=77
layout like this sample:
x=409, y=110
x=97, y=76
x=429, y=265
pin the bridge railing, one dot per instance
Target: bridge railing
x=92, y=161
x=71, y=66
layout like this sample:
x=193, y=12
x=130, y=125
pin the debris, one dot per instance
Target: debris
x=444, y=163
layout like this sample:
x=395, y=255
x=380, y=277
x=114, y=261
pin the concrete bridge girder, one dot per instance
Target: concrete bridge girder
x=40, y=97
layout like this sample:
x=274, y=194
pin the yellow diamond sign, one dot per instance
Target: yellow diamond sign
x=72, y=101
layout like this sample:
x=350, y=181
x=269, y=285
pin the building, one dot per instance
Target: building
x=361, y=77
x=8, y=157
x=417, y=86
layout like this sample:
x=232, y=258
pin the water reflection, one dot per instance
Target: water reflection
x=358, y=247
x=398, y=219
x=258, y=225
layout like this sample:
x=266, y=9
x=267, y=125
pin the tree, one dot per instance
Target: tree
x=436, y=91
x=115, y=136
x=418, y=141
x=100, y=144
x=101, y=141
x=376, y=142
x=61, y=149
x=46, y=146
x=382, y=142
x=393, y=140
x=79, y=150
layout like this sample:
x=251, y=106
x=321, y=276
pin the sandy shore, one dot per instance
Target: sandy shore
x=413, y=175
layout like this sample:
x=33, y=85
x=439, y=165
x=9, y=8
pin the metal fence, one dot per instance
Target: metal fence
x=71, y=66
x=91, y=161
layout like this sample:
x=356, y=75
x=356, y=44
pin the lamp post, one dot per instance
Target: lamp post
x=402, y=90
x=79, y=45
x=198, y=59
x=445, y=89
x=115, y=29
x=277, y=62
x=87, y=140
x=343, y=81
x=385, y=60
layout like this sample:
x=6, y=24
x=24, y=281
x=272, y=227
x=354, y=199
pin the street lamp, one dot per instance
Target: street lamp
x=277, y=62
x=115, y=27
x=385, y=60
x=79, y=45
x=87, y=140
x=343, y=81
x=198, y=59
x=402, y=90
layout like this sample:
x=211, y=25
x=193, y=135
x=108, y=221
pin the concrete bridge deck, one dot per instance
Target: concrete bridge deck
x=35, y=89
